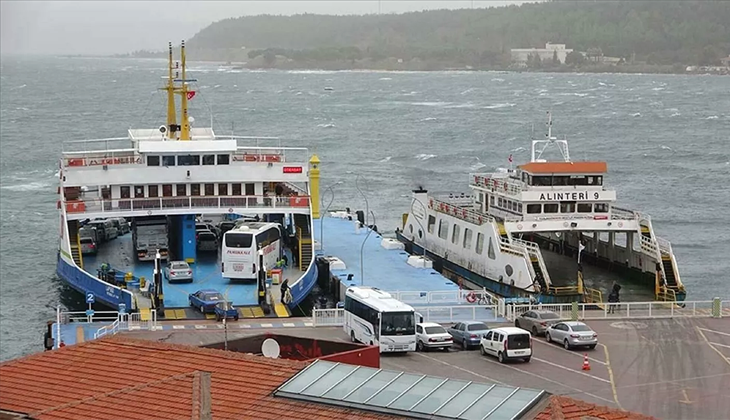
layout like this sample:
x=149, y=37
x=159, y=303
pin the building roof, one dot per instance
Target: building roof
x=565, y=408
x=565, y=167
x=118, y=377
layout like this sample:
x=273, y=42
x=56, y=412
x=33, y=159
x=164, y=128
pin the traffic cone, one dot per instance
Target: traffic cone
x=586, y=364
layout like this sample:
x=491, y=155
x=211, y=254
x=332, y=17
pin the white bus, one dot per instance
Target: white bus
x=374, y=317
x=241, y=246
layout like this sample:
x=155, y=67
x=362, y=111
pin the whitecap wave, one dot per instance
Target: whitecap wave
x=386, y=78
x=498, y=106
x=435, y=104
x=712, y=117
x=424, y=156
x=427, y=119
x=385, y=159
x=329, y=125
x=31, y=186
x=636, y=114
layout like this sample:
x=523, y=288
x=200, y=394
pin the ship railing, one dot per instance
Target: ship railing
x=618, y=213
x=715, y=308
x=226, y=203
x=533, y=250
x=300, y=155
x=460, y=212
x=101, y=158
x=456, y=199
x=503, y=184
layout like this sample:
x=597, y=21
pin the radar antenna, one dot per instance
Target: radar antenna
x=562, y=145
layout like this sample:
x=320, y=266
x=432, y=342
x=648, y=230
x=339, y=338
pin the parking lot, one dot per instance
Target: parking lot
x=667, y=368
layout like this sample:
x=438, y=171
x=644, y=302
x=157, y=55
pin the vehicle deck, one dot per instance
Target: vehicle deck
x=563, y=272
x=667, y=368
x=119, y=254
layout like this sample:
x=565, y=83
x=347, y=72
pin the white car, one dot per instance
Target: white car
x=508, y=343
x=572, y=334
x=430, y=335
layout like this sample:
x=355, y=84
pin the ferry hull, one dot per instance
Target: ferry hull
x=501, y=289
x=85, y=283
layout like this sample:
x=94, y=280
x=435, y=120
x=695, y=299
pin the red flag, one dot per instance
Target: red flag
x=510, y=158
x=190, y=94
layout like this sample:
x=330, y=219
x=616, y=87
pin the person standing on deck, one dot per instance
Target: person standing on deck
x=284, y=290
x=613, y=298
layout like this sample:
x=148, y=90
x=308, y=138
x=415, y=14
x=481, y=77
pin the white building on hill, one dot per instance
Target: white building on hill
x=520, y=55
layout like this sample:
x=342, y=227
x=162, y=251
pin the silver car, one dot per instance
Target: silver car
x=572, y=334
x=88, y=246
x=178, y=271
x=537, y=321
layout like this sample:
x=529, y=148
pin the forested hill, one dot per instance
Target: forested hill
x=657, y=32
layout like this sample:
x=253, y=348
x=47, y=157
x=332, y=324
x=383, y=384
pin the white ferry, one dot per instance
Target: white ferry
x=160, y=179
x=504, y=234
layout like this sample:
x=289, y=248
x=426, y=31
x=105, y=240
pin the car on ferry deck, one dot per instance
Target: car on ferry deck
x=430, y=335
x=206, y=240
x=205, y=300
x=468, y=333
x=121, y=224
x=88, y=245
x=178, y=271
x=225, y=310
x=572, y=334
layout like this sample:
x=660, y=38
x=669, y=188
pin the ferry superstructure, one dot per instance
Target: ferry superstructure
x=173, y=173
x=499, y=235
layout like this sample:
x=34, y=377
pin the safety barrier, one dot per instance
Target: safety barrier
x=328, y=317
x=445, y=297
x=715, y=308
x=441, y=314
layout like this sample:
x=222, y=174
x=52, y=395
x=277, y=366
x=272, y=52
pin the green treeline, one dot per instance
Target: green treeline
x=652, y=32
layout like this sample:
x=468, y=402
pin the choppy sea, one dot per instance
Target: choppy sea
x=665, y=138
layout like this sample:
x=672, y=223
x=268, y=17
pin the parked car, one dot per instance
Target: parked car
x=468, y=333
x=507, y=343
x=225, y=310
x=572, y=334
x=121, y=224
x=205, y=300
x=88, y=246
x=225, y=226
x=430, y=335
x=178, y=271
x=537, y=321
x=206, y=240
x=203, y=226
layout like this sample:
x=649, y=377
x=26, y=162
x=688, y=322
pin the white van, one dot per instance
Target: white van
x=508, y=343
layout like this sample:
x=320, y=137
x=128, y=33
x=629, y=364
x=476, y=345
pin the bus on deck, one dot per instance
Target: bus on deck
x=376, y=318
x=241, y=246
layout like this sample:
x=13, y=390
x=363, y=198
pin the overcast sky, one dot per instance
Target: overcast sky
x=110, y=27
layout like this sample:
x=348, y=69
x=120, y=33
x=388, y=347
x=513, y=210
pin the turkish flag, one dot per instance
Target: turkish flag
x=191, y=94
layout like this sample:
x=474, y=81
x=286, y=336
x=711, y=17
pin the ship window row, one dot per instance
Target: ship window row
x=549, y=181
x=508, y=205
x=567, y=207
x=180, y=190
x=466, y=241
x=187, y=160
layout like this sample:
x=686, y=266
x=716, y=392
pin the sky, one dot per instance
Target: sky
x=102, y=27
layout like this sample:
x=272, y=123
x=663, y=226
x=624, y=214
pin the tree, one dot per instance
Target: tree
x=556, y=60
x=574, y=58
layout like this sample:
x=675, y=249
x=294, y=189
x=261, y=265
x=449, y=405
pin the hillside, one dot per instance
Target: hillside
x=651, y=32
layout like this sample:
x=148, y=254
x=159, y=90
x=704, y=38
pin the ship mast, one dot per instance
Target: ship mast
x=170, y=88
x=183, y=90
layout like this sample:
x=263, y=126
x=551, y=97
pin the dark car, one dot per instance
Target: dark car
x=225, y=310
x=205, y=300
x=468, y=333
x=206, y=240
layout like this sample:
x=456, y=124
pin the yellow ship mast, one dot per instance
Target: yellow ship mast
x=170, y=88
x=183, y=90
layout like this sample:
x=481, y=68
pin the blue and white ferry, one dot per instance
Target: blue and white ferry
x=170, y=183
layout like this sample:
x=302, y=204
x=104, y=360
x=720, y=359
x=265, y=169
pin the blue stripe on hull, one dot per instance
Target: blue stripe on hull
x=301, y=289
x=85, y=283
x=502, y=289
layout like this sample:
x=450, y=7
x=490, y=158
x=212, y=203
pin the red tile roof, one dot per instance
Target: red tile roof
x=565, y=408
x=565, y=167
x=118, y=377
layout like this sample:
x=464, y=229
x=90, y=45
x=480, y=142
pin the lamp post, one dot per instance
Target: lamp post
x=362, y=249
x=367, y=205
x=326, y=210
